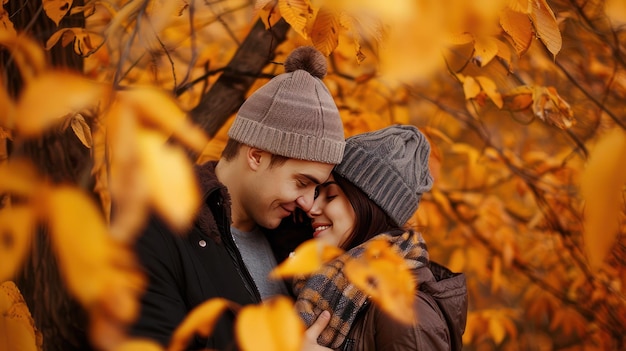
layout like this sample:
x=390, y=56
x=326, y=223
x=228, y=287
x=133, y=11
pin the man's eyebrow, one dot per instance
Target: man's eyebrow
x=311, y=178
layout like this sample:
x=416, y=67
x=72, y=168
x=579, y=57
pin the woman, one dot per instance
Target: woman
x=376, y=189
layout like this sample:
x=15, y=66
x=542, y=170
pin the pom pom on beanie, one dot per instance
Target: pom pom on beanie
x=294, y=115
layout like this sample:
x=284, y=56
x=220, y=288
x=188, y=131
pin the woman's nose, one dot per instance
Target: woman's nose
x=315, y=210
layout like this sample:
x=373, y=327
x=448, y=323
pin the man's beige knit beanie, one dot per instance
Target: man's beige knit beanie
x=294, y=114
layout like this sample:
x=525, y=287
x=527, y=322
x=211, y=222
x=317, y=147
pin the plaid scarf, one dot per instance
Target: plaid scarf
x=329, y=289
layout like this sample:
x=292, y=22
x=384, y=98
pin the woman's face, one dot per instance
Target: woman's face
x=332, y=215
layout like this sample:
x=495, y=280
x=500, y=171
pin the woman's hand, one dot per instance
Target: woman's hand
x=311, y=334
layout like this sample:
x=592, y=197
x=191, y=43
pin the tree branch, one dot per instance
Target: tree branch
x=229, y=91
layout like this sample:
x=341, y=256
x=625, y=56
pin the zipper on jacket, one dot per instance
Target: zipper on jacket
x=229, y=242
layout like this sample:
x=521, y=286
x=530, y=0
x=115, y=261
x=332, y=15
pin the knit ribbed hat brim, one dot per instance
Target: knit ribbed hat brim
x=391, y=167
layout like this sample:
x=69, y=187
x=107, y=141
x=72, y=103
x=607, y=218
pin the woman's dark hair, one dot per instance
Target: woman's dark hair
x=370, y=219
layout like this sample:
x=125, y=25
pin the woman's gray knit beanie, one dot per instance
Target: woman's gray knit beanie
x=390, y=166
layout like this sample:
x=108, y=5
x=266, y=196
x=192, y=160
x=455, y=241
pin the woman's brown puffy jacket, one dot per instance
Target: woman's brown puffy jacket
x=441, y=309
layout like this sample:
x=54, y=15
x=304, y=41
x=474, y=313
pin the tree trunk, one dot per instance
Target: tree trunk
x=61, y=157
x=229, y=91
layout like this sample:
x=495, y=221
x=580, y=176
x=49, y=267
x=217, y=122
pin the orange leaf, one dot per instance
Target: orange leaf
x=5, y=23
x=457, y=260
x=306, y=259
x=17, y=226
x=92, y=264
x=601, y=187
x=79, y=36
x=325, y=31
x=201, y=320
x=496, y=274
x=496, y=330
x=138, y=345
x=550, y=107
x=171, y=181
x=546, y=26
x=485, y=49
x=616, y=11
x=268, y=12
x=7, y=110
x=273, y=325
x=157, y=109
x=383, y=275
x=17, y=328
x=490, y=88
x=519, y=99
x=56, y=9
x=471, y=88
x=518, y=28
x=26, y=52
x=297, y=13
x=19, y=177
x=82, y=130
x=45, y=101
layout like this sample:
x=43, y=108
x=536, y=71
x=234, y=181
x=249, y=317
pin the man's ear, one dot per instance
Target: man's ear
x=254, y=157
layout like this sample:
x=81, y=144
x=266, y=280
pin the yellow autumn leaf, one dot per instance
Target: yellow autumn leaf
x=471, y=88
x=7, y=109
x=261, y=4
x=616, y=11
x=155, y=108
x=213, y=149
x=383, y=275
x=45, y=101
x=272, y=325
x=6, y=25
x=19, y=177
x=79, y=36
x=490, y=88
x=485, y=49
x=551, y=108
x=268, y=12
x=518, y=99
x=26, y=52
x=325, y=31
x=496, y=330
x=546, y=26
x=306, y=259
x=138, y=345
x=201, y=320
x=496, y=274
x=297, y=13
x=56, y=9
x=122, y=172
x=17, y=225
x=171, y=181
x=601, y=188
x=82, y=130
x=518, y=28
x=86, y=253
x=351, y=25
x=17, y=327
x=457, y=261
x=522, y=6
x=504, y=52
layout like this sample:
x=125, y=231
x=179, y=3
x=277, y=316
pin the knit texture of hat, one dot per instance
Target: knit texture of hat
x=293, y=115
x=390, y=166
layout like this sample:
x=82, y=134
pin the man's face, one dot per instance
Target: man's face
x=273, y=193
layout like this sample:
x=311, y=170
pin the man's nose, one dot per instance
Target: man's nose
x=305, y=202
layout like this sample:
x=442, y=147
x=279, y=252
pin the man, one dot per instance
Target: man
x=284, y=141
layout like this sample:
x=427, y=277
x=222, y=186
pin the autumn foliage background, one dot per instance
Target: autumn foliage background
x=111, y=102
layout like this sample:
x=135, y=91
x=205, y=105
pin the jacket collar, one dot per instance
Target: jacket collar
x=216, y=203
